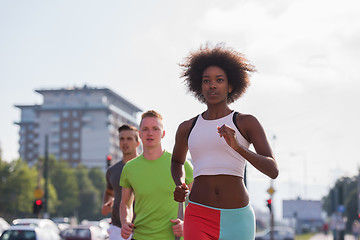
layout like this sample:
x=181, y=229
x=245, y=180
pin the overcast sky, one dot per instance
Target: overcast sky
x=304, y=93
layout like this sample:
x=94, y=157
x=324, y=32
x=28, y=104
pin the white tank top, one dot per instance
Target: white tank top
x=210, y=154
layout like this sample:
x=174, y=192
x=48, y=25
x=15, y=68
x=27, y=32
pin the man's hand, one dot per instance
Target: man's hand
x=181, y=192
x=126, y=230
x=107, y=207
x=178, y=227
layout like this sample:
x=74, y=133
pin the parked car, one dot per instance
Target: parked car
x=3, y=225
x=62, y=222
x=39, y=222
x=82, y=232
x=280, y=233
x=23, y=232
x=102, y=224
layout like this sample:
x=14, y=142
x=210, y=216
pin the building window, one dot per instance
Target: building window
x=65, y=145
x=76, y=124
x=74, y=114
x=65, y=114
x=55, y=145
x=75, y=145
x=65, y=134
x=65, y=124
x=75, y=134
x=64, y=156
x=75, y=155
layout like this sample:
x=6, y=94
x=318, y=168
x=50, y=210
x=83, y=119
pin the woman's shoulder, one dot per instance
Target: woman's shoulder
x=188, y=124
x=185, y=128
x=245, y=118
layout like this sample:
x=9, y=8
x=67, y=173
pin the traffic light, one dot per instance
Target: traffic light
x=269, y=204
x=37, y=206
x=108, y=160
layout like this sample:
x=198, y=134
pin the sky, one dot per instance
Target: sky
x=307, y=56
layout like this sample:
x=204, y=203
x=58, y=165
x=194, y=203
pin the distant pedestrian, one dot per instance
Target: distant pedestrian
x=129, y=141
x=218, y=140
x=356, y=229
x=326, y=228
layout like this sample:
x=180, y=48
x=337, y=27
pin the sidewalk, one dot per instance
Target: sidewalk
x=321, y=236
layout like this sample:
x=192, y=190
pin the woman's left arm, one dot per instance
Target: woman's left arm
x=263, y=158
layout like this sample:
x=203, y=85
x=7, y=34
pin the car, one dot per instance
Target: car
x=82, y=232
x=29, y=232
x=102, y=224
x=280, y=233
x=62, y=222
x=39, y=222
x=3, y=225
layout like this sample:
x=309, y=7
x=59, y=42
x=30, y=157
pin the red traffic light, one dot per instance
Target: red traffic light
x=38, y=205
x=269, y=204
x=108, y=157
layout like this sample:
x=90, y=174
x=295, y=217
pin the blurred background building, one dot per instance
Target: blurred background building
x=81, y=125
x=305, y=214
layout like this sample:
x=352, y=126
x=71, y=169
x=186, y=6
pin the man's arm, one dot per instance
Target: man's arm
x=126, y=212
x=108, y=201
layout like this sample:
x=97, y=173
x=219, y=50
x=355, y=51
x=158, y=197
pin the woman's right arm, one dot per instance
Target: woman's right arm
x=178, y=160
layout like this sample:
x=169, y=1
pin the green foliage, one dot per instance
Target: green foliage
x=64, y=179
x=89, y=196
x=71, y=191
x=97, y=178
x=348, y=187
x=17, y=185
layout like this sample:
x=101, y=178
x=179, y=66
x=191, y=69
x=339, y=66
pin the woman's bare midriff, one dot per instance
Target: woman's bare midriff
x=220, y=191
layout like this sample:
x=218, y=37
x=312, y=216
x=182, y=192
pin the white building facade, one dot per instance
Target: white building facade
x=81, y=125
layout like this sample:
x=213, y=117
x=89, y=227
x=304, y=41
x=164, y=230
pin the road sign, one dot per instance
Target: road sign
x=271, y=190
x=38, y=193
x=341, y=209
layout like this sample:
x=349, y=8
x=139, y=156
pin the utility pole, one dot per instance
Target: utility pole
x=271, y=191
x=46, y=214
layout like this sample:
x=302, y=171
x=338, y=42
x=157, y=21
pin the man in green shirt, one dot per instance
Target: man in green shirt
x=147, y=178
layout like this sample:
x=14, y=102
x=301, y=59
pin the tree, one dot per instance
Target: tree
x=344, y=193
x=97, y=178
x=17, y=186
x=88, y=195
x=65, y=182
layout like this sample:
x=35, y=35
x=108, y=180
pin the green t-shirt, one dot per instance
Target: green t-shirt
x=153, y=187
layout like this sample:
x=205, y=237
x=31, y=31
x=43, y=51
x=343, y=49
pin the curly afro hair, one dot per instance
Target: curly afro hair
x=234, y=64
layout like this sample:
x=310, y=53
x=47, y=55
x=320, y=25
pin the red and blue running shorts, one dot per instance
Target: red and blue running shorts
x=204, y=223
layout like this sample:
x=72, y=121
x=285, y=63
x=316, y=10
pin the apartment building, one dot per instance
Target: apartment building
x=80, y=125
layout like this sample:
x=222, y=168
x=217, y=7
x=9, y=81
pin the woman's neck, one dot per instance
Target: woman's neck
x=216, y=112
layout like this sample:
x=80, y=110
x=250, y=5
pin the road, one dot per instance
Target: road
x=321, y=236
